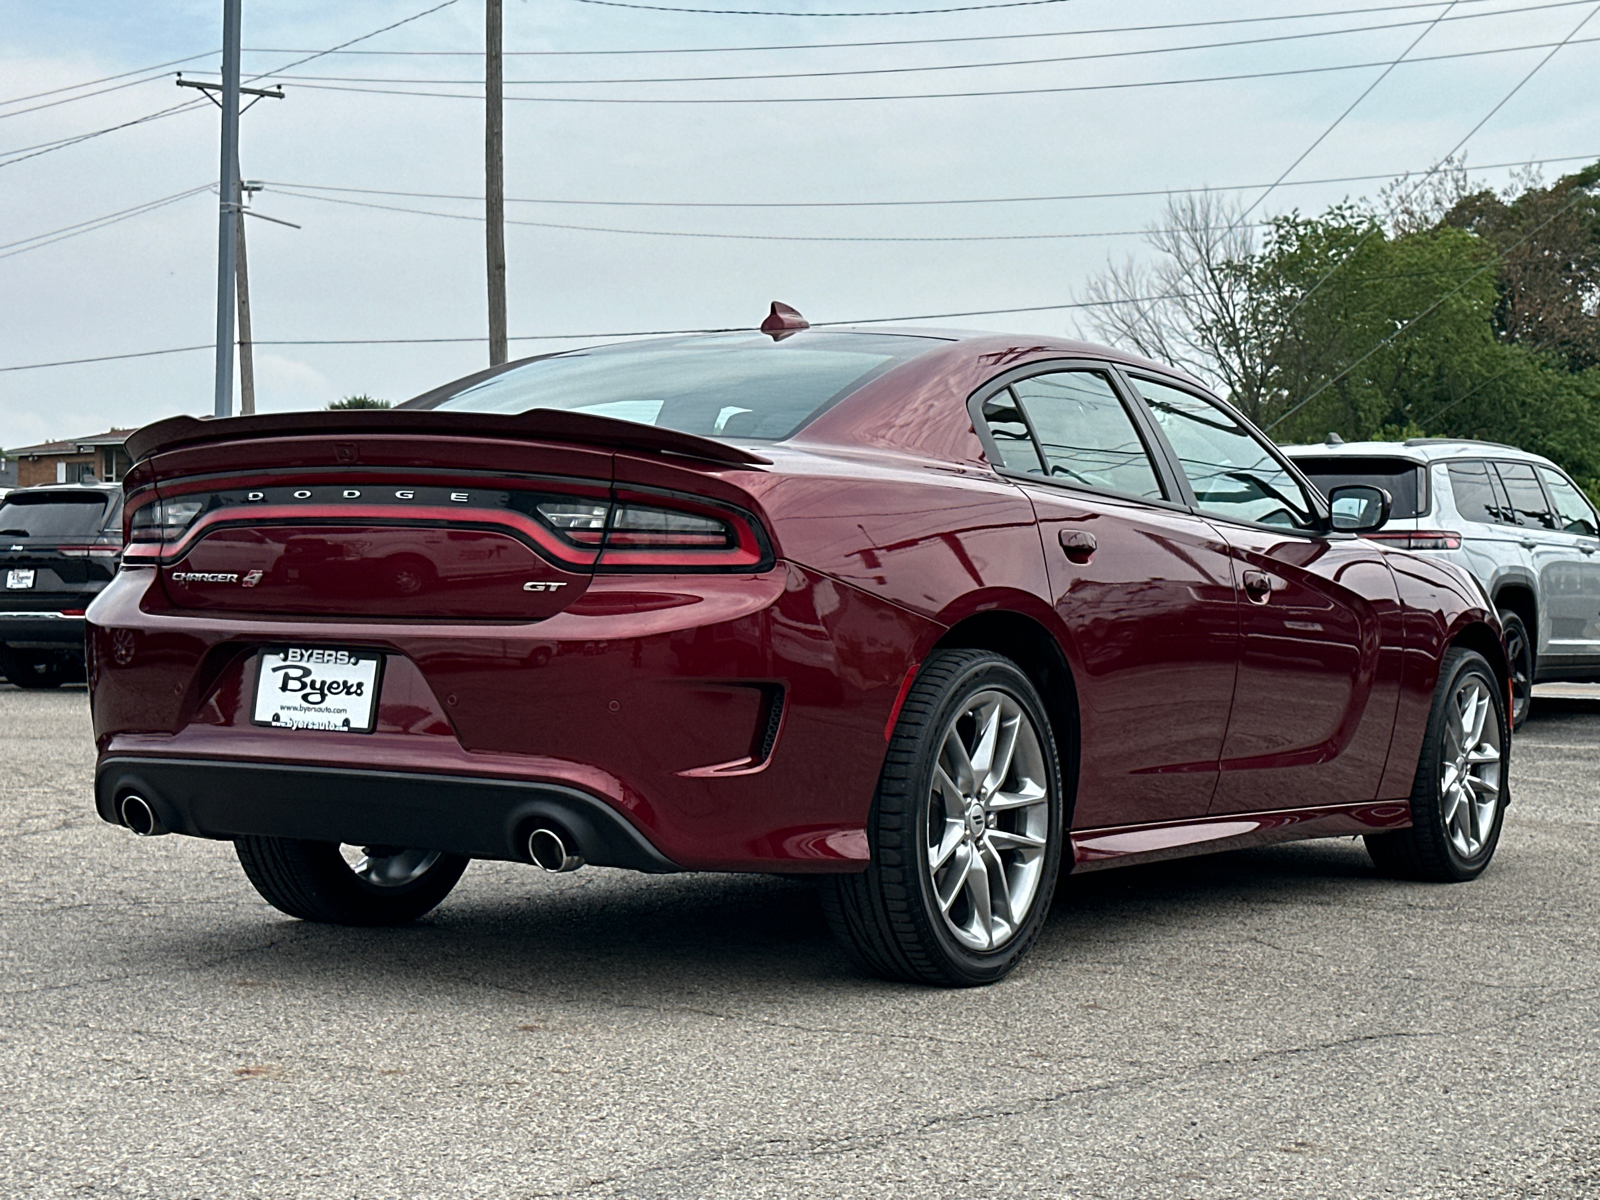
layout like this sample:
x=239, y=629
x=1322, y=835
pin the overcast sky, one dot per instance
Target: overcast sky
x=148, y=282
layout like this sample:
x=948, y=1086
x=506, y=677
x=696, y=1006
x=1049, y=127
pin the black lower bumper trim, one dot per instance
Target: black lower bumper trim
x=42, y=630
x=481, y=818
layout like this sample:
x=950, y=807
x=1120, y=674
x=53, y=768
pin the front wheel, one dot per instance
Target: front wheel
x=1519, y=652
x=965, y=833
x=1459, y=797
x=372, y=885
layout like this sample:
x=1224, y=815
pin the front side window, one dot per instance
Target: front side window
x=1573, y=514
x=1526, y=497
x=1233, y=474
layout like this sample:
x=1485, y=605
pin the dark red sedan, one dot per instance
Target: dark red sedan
x=931, y=616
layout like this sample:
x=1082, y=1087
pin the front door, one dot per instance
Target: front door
x=1143, y=587
x=1314, y=705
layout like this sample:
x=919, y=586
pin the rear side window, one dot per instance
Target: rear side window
x=1526, y=497
x=1477, y=494
x=1405, y=481
x=1072, y=427
x=1573, y=514
x=52, y=514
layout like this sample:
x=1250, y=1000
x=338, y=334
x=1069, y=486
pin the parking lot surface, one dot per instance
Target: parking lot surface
x=1276, y=1022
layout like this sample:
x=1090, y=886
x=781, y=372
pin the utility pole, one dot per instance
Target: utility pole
x=494, y=179
x=228, y=195
x=247, y=364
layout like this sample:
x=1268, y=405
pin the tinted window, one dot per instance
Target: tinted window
x=1573, y=514
x=1404, y=481
x=1526, y=497
x=738, y=385
x=52, y=514
x=1233, y=475
x=1013, y=440
x=1477, y=494
x=1085, y=436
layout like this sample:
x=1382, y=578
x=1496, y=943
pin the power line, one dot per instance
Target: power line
x=761, y=12
x=68, y=231
x=72, y=87
x=965, y=66
x=11, y=157
x=759, y=204
x=85, y=96
x=737, y=237
x=989, y=37
x=364, y=37
x=1072, y=88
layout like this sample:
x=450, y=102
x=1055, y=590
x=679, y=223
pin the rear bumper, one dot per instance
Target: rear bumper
x=41, y=630
x=481, y=818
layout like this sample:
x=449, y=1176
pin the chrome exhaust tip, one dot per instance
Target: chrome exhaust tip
x=549, y=851
x=138, y=815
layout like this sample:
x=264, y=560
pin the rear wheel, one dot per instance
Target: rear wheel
x=1458, y=799
x=1519, y=650
x=965, y=833
x=37, y=670
x=340, y=885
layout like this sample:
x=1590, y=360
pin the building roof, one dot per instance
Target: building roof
x=83, y=445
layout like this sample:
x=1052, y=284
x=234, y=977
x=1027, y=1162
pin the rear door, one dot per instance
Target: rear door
x=1144, y=588
x=1321, y=628
x=1563, y=546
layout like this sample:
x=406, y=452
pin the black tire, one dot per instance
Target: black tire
x=35, y=672
x=1521, y=654
x=312, y=881
x=1428, y=850
x=889, y=916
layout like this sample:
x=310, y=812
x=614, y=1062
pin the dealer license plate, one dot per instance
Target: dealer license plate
x=19, y=579
x=318, y=687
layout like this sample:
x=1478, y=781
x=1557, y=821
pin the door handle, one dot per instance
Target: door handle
x=1078, y=545
x=1529, y=544
x=1586, y=549
x=1258, y=586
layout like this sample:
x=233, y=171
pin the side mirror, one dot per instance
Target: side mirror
x=1359, y=507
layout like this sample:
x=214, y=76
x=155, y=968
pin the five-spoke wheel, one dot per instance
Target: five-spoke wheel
x=966, y=830
x=1459, y=797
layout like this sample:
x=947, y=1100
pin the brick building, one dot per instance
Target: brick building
x=102, y=457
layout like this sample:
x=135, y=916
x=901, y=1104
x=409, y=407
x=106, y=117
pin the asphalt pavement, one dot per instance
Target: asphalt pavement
x=1275, y=1022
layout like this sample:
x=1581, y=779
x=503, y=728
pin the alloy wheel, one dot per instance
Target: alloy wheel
x=988, y=820
x=1469, y=768
x=1519, y=650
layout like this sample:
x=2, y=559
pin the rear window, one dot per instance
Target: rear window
x=52, y=514
x=1406, y=482
x=739, y=385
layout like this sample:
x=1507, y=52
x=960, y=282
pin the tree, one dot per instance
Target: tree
x=359, y=401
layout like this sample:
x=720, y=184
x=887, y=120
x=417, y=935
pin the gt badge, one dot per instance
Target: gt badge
x=538, y=586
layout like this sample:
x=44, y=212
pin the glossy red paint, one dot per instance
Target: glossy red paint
x=736, y=719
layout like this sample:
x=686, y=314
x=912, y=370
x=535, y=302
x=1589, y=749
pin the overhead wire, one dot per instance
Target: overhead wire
x=881, y=43
x=762, y=12
x=964, y=66
x=995, y=92
x=72, y=87
x=50, y=237
x=919, y=203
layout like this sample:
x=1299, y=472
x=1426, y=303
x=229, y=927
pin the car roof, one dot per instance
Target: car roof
x=1417, y=450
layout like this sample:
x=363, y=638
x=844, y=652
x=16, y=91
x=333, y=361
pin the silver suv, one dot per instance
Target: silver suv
x=1516, y=521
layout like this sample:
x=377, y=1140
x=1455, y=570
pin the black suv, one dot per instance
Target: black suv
x=59, y=545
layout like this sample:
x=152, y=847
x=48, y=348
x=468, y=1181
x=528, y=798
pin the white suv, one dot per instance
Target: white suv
x=1516, y=521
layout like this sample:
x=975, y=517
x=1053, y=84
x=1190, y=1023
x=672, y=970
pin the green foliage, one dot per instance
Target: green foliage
x=360, y=401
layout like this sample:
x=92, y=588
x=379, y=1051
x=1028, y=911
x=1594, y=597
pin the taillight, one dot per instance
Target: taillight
x=635, y=536
x=1420, y=539
x=89, y=551
x=162, y=520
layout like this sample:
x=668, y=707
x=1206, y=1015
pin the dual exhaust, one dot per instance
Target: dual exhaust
x=546, y=847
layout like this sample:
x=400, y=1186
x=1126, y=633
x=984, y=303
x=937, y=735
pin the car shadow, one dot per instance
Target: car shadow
x=649, y=940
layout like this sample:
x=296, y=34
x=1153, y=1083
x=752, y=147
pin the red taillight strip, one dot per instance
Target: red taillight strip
x=524, y=528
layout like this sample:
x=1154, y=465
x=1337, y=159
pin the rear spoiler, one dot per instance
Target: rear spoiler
x=545, y=424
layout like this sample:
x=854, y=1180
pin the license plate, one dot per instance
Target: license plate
x=19, y=579
x=318, y=687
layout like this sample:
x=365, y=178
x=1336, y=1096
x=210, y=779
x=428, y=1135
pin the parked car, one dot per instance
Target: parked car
x=930, y=616
x=1514, y=520
x=59, y=545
